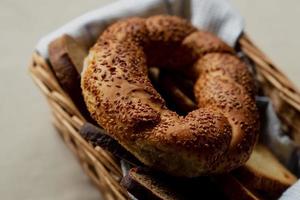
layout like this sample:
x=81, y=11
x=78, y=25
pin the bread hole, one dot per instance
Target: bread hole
x=176, y=91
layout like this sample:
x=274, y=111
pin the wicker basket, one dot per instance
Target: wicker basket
x=102, y=167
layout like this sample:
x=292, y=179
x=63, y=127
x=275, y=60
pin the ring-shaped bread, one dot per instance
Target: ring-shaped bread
x=217, y=137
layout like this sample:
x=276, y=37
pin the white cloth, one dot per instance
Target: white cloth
x=279, y=142
x=293, y=193
x=216, y=16
x=213, y=15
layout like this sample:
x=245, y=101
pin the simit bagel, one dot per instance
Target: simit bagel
x=217, y=137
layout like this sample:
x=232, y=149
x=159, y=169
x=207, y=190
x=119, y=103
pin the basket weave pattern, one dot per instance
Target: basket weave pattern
x=102, y=167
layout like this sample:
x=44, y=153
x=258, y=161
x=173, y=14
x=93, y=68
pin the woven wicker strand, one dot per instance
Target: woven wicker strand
x=284, y=95
x=102, y=167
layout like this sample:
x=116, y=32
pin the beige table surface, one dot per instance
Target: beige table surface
x=35, y=164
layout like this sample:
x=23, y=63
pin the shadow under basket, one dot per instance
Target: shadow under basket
x=103, y=168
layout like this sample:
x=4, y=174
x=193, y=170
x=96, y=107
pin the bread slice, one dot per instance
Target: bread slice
x=66, y=53
x=66, y=57
x=234, y=189
x=98, y=137
x=264, y=173
x=147, y=184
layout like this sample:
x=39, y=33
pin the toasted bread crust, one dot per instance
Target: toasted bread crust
x=233, y=189
x=66, y=57
x=264, y=173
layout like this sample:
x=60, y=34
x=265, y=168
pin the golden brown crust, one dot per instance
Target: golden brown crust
x=202, y=42
x=129, y=29
x=217, y=137
x=168, y=29
x=226, y=65
x=166, y=34
x=222, y=93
